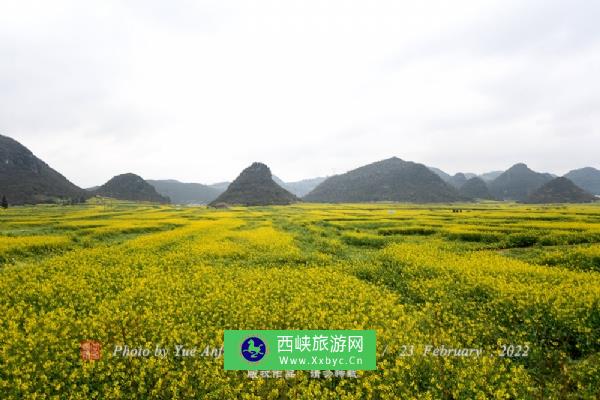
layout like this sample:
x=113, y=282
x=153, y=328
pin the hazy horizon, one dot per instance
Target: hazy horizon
x=312, y=177
x=197, y=91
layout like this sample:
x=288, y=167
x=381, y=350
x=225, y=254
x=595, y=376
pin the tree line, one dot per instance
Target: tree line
x=71, y=201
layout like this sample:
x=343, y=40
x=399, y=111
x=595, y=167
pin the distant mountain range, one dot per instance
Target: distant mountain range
x=186, y=193
x=458, y=180
x=255, y=187
x=587, y=178
x=453, y=179
x=445, y=177
x=560, y=190
x=490, y=176
x=197, y=193
x=25, y=179
x=476, y=188
x=388, y=180
x=130, y=187
x=517, y=183
x=299, y=188
x=220, y=186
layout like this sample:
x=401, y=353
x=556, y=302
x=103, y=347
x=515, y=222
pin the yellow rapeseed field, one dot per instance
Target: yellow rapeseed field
x=520, y=283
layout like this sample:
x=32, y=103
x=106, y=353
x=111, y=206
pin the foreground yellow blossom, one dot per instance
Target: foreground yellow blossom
x=499, y=301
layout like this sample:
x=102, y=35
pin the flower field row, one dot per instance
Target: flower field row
x=423, y=277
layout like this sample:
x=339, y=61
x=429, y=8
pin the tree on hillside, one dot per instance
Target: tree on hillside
x=4, y=202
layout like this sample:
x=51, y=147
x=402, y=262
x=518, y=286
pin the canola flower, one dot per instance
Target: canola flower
x=140, y=275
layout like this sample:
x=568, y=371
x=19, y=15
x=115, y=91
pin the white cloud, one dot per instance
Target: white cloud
x=197, y=90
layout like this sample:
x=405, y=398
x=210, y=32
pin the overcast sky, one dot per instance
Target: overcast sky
x=197, y=90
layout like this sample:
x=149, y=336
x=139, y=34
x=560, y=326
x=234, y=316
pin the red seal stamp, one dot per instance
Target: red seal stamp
x=90, y=350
